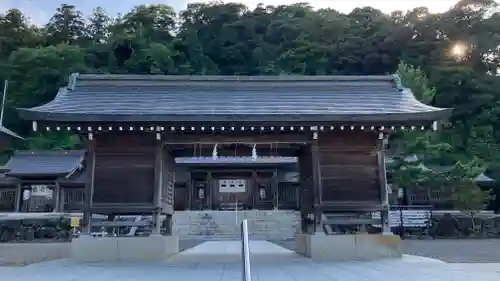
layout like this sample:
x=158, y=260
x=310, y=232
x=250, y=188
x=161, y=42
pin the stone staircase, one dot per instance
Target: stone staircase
x=225, y=225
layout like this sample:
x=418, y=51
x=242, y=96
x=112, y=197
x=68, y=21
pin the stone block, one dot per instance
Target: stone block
x=369, y=246
x=26, y=253
x=323, y=247
x=277, y=224
x=99, y=249
x=154, y=247
x=94, y=249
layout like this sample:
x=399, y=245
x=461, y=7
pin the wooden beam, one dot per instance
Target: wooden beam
x=234, y=137
x=207, y=152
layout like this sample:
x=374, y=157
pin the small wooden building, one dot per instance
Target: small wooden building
x=43, y=181
x=7, y=195
x=135, y=125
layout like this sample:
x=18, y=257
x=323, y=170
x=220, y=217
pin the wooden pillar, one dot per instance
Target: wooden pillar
x=89, y=186
x=56, y=197
x=158, y=184
x=306, y=189
x=384, y=195
x=275, y=189
x=190, y=190
x=62, y=199
x=19, y=198
x=316, y=182
x=209, y=192
x=254, y=188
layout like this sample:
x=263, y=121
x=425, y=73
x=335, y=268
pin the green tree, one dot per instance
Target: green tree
x=233, y=39
x=467, y=195
x=67, y=25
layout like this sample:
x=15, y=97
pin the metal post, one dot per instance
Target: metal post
x=236, y=212
x=276, y=189
x=401, y=223
x=245, y=252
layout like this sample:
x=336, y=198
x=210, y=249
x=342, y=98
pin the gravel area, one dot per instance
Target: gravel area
x=453, y=251
x=456, y=251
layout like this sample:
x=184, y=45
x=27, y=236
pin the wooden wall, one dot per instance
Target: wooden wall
x=124, y=168
x=348, y=166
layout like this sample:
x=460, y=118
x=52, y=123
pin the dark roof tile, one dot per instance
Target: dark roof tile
x=44, y=163
x=94, y=97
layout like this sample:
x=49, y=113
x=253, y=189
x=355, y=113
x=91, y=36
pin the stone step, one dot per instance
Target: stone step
x=224, y=225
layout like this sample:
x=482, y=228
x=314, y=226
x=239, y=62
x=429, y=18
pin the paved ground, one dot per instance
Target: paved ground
x=220, y=261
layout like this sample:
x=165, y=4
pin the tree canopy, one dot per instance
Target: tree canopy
x=456, y=53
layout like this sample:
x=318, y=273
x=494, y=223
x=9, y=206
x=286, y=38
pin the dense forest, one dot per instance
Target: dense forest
x=450, y=59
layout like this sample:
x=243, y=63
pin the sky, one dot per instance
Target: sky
x=40, y=11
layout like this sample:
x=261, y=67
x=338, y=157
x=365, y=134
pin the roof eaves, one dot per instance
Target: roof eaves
x=36, y=174
x=34, y=114
x=80, y=153
x=407, y=91
x=42, y=108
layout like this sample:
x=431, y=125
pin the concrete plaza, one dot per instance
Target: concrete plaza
x=220, y=260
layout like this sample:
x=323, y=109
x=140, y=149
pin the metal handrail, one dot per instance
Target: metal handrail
x=245, y=252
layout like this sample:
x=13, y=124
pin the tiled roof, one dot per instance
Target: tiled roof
x=115, y=98
x=44, y=163
x=8, y=181
x=483, y=178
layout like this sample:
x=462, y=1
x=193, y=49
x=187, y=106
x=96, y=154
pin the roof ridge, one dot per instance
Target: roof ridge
x=226, y=78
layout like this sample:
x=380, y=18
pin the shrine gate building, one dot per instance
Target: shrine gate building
x=136, y=126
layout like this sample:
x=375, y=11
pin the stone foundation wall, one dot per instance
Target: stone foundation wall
x=26, y=253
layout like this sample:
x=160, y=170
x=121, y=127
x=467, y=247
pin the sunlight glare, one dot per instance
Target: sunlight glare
x=459, y=50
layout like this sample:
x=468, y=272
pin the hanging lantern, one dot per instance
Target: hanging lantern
x=201, y=193
x=262, y=193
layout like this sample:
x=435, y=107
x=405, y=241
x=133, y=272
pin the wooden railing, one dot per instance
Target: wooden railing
x=7, y=200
